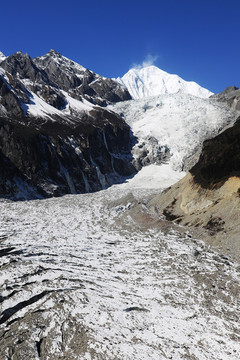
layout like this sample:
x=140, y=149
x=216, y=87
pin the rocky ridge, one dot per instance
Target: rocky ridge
x=55, y=138
x=230, y=96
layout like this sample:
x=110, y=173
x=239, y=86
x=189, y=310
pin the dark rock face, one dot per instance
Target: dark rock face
x=231, y=96
x=53, y=140
x=220, y=158
x=57, y=161
x=23, y=65
x=82, y=82
x=49, y=75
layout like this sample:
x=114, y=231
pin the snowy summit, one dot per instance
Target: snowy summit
x=152, y=81
x=2, y=56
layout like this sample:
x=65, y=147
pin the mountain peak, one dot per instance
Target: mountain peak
x=152, y=81
x=54, y=57
x=53, y=52
x=20, y=56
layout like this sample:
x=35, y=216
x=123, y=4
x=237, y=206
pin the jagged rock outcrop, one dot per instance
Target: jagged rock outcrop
x=148, y=151
x=67, y=74
x=230, y=96
x=220, y=159
x=64, y=160
x=54, y=139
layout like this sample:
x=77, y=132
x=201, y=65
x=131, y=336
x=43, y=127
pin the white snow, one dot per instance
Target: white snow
x=179, y=121
x=140, y=293
x=2, y=56
x=152, y=81
x=76, y=105
x=153, y=176
x=38, y=107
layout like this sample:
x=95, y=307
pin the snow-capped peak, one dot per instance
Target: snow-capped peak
x=2, y=56
x=152, y=81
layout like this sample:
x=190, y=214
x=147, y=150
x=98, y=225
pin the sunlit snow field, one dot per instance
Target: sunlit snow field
x=103, y=287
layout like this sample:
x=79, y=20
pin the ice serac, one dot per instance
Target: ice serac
x=53, y=123
x=152, y=81
x=172, y=128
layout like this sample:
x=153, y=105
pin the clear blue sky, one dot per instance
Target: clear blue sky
x=196, y=39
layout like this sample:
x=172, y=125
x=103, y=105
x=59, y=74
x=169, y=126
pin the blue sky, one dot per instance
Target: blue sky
x=196, y=39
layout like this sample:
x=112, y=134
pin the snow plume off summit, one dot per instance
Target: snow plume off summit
x=152, y=81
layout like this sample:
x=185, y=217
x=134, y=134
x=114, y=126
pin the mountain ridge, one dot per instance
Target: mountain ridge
x=55, y=130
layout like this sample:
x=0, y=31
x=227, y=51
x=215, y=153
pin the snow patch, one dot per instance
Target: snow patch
x=154, y=177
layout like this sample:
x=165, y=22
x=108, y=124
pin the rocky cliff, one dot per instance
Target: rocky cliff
x=207, y=199
x=54, y=137
x=230, y=96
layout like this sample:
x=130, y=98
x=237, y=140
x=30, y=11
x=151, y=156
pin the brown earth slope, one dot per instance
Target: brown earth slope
x=207, y=199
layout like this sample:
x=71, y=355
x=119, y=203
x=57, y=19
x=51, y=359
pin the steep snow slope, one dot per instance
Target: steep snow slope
x=175, y=123
x=152, y=81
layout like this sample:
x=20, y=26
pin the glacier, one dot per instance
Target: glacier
x=81, y=279
x=178, y=122
x=97, y=276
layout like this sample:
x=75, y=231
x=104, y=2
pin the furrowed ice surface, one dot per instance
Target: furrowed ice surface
x=81, y=280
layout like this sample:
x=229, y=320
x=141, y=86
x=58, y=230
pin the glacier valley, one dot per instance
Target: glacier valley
x=98, y=275
x=84, y=279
